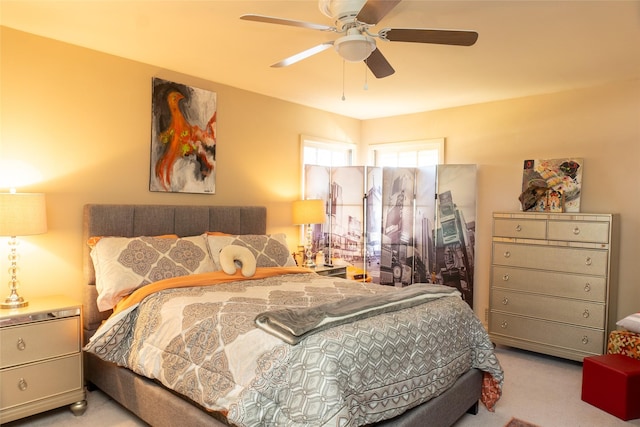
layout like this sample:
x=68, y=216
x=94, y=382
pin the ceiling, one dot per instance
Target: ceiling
x=524, y=48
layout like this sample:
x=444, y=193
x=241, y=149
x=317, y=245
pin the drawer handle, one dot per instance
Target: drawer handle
x=22, y=384
x=587, y=287
x=21, y=345
x=588, y=260
x=576, y=231
x=585, y=339
x=505, y=301
x=518, y=228
x=504, y=324
x=505, y=277
x=585, y=313
x=507, y=254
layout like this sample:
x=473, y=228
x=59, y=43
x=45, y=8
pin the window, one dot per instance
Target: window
x=321, y=152
x=408, y=154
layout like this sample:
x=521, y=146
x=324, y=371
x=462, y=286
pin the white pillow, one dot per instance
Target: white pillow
x=232, y=255
x=631, y=323
x=269, y=250
x=123, y=264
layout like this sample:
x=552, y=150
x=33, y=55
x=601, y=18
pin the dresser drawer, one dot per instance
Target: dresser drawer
x=39, y=380
x=37, y=341
x=545, y=333
x=579, y=231
x=543, y=257
x=590, y=288
x=582, y=313
x=522, y=228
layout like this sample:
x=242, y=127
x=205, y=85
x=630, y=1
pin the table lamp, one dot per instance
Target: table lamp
x=308, y=212
x=21, y=214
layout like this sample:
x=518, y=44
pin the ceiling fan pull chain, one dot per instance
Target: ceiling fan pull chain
x=366, y=82
x=343, y=72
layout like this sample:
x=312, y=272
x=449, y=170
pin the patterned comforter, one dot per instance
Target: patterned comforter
x=202, y=342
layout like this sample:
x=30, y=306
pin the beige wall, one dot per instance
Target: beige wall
x=600, y=125
x=83, y=119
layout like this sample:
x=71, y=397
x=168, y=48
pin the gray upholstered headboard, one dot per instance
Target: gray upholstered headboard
x=154, y=220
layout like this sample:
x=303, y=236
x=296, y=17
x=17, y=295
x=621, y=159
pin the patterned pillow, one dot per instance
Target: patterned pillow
x=270, y=250
x=124, y=264
x=631, y=323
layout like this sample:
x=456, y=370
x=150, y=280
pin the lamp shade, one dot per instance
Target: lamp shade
x=308, y=211
x=22, y=214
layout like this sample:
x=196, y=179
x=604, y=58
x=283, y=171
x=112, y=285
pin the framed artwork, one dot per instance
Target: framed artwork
x=183, y=139
x=552, y=185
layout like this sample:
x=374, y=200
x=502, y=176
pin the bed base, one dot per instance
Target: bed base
x=160, y=407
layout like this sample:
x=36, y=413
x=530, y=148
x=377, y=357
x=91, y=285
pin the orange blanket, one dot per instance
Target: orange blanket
x=202, y=279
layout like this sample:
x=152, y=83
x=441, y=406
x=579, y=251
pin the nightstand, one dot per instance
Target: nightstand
x=41, y=358
x=335, y=271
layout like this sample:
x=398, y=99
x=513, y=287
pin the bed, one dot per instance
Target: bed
x=152, y=401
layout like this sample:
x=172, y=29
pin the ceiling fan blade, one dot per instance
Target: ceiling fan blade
x=290, y=22
x=379, y=65
x=374, y=10
x=303, y=55
x=421, y=35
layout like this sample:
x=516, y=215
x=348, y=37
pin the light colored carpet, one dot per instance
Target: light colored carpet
x=542, y=390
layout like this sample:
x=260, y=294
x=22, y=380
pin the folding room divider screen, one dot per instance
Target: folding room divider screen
x=400, y=225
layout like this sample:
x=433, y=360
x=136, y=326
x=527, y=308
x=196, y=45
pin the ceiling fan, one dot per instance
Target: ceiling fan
x=353, y=20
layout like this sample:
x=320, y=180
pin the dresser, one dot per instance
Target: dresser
x=41, y=358
x=552, y=283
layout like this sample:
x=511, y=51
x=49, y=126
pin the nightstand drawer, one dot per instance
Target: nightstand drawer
x=37, y=341
x=332, y=271
x=29, y=383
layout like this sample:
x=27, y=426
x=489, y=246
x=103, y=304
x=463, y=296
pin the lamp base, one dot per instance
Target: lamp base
x=308, y=262
x=13, y=302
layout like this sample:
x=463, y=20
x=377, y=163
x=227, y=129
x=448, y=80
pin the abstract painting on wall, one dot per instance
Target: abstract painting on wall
x=552, y=185
x=183, y=138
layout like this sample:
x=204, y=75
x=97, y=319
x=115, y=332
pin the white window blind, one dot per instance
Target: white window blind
x=322, y=152
x=407, y=154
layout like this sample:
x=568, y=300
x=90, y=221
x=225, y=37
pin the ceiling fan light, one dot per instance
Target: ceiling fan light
x=355, y=48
